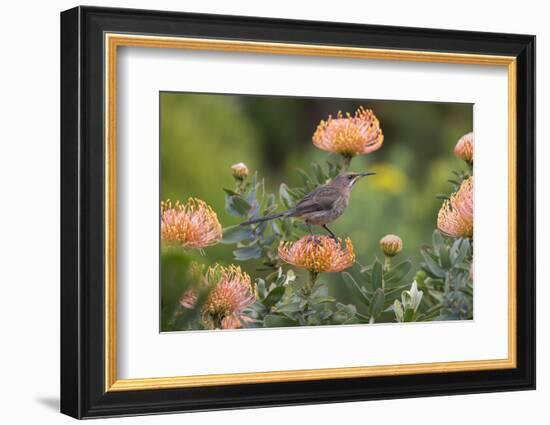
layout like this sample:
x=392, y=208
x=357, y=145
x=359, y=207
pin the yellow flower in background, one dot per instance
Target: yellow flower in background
x=389, y=178
x=231, y=291
x=318, y=254
x=193, y=225
x=456, y=216
x=464, y=148
x=350, y=135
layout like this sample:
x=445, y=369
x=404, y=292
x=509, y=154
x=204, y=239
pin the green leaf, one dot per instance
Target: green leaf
x=304, y=175
x=377, y=275
x=395, y=292
x=230, y=192
x=237, y=206
x=319, y=290
x=321, y=300
x=437, y=241
x=290, y=307
x=377, y=304
x=455, y=250
x=273, y=297
x=285, y=197
x=241, y=205
x=444, y=257
x=350, y=281
x=280, y=280
x=262, y=290
x=277, y=321
x=258, y=308
x=270, y=201
x=234, y=234
x=409, y=315
x=463, y=251
x=344, y=313
x=247, y=253
x=397, y=273
x=432, y=266
x=319, y=173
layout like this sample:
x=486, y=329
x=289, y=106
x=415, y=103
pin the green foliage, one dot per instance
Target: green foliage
x=250, y=200
x=447, y=282
x=273, y=136
x=291, y=302
x=380, y=286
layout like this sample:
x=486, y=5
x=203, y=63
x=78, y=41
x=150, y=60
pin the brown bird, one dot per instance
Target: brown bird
x=321, y=206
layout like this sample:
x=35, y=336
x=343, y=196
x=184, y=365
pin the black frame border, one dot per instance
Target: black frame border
x=82, y=212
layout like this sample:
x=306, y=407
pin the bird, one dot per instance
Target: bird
x=321, y=206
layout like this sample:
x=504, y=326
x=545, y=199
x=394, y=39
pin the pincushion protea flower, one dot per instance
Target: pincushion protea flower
x=318, y=254
x=359, y=134
x=231, y=291
x=193, y=225
x=464, y=148
x=456, y=216
x=391, y=245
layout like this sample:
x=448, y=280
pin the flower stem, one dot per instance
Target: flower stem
x=346, y=162
x=310, y=282
x=387, y=263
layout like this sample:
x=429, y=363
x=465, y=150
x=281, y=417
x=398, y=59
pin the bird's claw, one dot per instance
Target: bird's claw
x=315, y=239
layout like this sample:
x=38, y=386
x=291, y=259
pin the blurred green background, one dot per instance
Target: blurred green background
x=202, y=135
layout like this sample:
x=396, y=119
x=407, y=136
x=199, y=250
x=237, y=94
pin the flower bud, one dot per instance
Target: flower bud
x=240, y=171
x=464, y=148
x=391, y=245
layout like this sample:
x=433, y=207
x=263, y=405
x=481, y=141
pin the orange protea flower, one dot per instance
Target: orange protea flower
x=391, y=245
x=318, y=254
x=456, y=216
x=464, y=148
x=194, y=224
x=359, y=134
x=231, y=291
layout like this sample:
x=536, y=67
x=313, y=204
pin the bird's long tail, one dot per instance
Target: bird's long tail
x=266, y=218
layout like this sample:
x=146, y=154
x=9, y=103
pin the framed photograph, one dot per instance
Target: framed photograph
x=261, y=212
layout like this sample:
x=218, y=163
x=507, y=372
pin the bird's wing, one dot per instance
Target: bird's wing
x=320, y=199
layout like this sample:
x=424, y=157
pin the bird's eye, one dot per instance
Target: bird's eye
x=350, y=177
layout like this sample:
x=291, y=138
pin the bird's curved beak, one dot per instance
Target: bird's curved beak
x=366, y=174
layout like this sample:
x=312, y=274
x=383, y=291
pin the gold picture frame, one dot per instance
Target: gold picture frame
x=114, y=41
